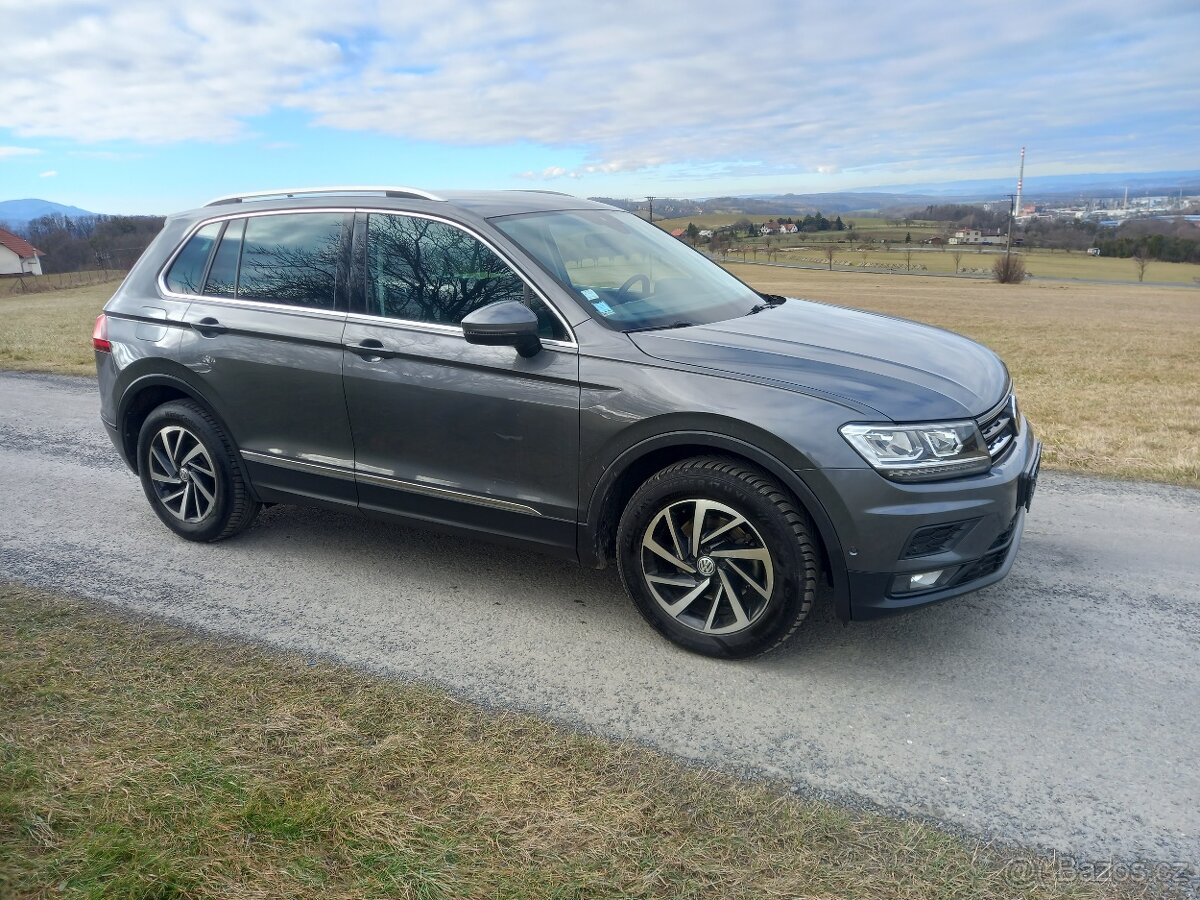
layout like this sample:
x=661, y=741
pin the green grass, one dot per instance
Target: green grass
x=138, y=761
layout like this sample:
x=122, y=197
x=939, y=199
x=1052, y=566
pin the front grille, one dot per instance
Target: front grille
x=1000, y=426
x=935, y=538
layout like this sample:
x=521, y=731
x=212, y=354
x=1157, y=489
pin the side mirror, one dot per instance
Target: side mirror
x=507, y=323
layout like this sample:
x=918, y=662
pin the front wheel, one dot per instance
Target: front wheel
x=717, y=557
x=189, y=474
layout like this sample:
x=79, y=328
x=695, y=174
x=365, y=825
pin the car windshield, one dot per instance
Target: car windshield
x=634, y=275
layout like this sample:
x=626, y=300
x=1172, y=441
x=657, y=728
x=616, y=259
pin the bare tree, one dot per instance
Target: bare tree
x=1141, y=259
x=829, y=252
x=957, y=257
x=908, y=260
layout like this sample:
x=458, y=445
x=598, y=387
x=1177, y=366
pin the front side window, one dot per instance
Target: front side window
x=420, y=270
x=187, y=271
x=634, y=275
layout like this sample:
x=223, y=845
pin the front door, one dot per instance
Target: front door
x=448, y=432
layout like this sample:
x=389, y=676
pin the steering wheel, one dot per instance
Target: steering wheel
x=634, y=279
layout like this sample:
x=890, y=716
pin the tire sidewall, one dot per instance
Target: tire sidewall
x=183, y=415
x=791, y=587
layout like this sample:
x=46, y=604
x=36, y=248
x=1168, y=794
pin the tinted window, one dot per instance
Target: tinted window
x=292, y=259
x=188, y=269
x=427, y=271
x=222, y=274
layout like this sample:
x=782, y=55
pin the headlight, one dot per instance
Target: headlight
x=921, y=452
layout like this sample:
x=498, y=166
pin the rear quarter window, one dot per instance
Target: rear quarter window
x=187, y=272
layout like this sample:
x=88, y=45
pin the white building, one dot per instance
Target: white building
x=975, y=236
x=18, y=256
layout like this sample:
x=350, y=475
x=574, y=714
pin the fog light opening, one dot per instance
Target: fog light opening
x=923, y=580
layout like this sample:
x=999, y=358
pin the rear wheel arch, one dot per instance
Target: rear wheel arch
x=147, y=394
x=631, y=468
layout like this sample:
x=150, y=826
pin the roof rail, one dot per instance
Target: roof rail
x=406, y=192
x=541, y=191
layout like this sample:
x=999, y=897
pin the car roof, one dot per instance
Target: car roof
x=485, y=204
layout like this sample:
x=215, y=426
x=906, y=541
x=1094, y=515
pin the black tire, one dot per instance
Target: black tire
x=205, y=498
x=773, y=592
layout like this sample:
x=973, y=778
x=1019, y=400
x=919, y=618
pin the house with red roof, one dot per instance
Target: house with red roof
x=18, y=256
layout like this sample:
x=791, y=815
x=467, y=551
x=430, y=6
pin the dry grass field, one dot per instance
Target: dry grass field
x=139, y=761
x=1108, y=374
x=1040, y=263
x=52, y=331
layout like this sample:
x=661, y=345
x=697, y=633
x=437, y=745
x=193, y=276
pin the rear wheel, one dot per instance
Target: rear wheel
x=190, y=475
x=717, y=557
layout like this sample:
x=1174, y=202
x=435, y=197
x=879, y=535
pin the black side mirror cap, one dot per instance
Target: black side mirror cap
x=506, y=323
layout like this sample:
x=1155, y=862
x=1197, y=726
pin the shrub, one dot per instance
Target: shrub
x=1009, y=269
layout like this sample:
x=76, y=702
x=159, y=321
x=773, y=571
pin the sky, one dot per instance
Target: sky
x=154, y=105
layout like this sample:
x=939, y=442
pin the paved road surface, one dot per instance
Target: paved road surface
x=1060, y=709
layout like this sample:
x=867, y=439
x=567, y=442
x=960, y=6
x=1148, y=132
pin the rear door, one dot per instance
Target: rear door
x=450, y=432
x=266, y=339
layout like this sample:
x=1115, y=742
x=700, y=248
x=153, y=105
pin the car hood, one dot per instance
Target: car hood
x=903, y=370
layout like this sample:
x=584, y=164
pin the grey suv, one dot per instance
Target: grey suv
x=533, y=368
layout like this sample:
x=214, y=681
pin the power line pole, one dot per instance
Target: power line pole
x=1012, y=202
x=650, y=200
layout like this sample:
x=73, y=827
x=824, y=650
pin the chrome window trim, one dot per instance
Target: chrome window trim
x=396, y=484
x=365, y=318
x=504, y=258
x=161, y=280
x=437, y=328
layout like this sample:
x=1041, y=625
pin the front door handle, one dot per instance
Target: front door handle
x=370, y=350
x=209, y=327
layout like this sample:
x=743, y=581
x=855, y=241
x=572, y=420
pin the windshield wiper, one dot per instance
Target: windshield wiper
x=661, y=327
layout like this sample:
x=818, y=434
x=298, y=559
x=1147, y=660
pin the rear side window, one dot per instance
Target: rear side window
x=425, y=271
x=222, y=274
x=187, y=272
x=293, y=258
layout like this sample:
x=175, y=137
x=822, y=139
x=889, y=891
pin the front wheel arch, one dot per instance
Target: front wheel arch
x=626, y=473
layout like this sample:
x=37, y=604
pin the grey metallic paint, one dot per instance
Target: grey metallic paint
x=553, y=434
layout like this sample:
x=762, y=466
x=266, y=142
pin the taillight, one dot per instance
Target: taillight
x=100, y=339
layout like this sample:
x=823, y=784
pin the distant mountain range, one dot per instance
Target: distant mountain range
x=19, y=213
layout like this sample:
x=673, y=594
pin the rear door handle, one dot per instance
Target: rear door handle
x=209, y=327
x=371, y=350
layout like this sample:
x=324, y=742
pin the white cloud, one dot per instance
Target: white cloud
x=791, y=86
x=49, y=173
x=10, y=152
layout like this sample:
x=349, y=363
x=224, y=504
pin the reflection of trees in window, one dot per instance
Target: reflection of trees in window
x=188, y=268
x=431, y=272
x=222, y=274
x=292, y=259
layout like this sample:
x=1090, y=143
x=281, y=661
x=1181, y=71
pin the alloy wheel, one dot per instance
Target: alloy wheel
x=183, y=474
x=707, y=566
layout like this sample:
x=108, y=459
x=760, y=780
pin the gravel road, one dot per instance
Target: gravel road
x=1058, y=710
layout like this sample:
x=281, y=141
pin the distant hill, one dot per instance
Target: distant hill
x=19, y=213
x=899, y=197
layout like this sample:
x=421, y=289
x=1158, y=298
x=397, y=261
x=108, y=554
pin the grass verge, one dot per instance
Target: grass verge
x=139, y=761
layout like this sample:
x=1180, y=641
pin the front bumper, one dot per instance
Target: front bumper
x=882, y=523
